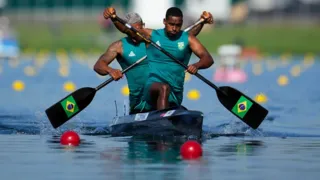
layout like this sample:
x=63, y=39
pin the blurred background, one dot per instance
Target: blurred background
x=262, y=26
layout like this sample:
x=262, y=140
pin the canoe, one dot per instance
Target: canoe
x=168, y=122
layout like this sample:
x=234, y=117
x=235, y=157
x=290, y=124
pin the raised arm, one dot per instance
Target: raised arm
x=201, y=52
x=110, y=12
x=102, y=65
x=208, y=19
x=196, y=30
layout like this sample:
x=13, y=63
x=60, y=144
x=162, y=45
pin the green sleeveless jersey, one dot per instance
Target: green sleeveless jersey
x=137, y=76
x=163, y=68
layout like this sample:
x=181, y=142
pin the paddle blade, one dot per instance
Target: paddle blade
x=69, y=106
x=242, y=106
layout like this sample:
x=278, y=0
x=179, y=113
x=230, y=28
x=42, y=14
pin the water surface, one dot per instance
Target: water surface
x=285, y=146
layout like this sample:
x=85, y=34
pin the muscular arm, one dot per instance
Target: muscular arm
x=124, y=29
x=199, y=50
x=196, y=30
x=102, y=65
x=207, y=19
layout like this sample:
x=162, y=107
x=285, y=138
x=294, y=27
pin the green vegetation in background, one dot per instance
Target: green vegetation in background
x=267, y=38
x=21, y=4
x=50, y=4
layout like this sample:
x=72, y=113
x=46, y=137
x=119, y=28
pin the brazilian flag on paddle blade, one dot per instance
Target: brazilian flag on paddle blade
x=66, y=108
x=69, y=106
x=242, y=106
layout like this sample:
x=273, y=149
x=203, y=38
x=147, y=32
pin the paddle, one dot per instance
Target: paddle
x=75, y=102
x=193, y=25
x=233, y=100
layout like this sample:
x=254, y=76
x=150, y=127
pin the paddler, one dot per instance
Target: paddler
x=164, y=87
x=127, y=51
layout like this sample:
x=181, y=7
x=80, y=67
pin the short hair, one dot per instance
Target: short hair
x=132, y=18
x=174, y=11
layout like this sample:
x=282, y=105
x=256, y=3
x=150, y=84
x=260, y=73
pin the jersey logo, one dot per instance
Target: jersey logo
x=158, y=43
x=180, y=45
x=131, y=54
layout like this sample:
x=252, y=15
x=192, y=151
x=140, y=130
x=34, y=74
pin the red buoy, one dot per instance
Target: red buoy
x=191, y=150
x=70, y=138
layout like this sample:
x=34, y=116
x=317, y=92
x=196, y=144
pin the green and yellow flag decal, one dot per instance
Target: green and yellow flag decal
x=69, y=106
x=242, y=106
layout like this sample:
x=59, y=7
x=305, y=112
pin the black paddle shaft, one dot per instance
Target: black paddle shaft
x=83, y=97
x=124, y=71
x=230, y=98
x=169, y=55
x=127, y=69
